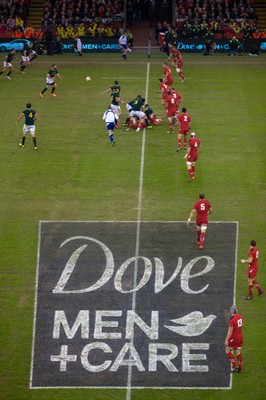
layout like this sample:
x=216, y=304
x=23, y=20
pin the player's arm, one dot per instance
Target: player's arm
x=107, y=90
x=166, y=76
x=35, y=117
x=187, y=153
x=210, y=210
x=19, y=117
x=229, y=334
x=191, y=215
x=248, y=261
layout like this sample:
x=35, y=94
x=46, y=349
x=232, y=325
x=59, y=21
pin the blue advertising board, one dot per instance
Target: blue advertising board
x=110, y=45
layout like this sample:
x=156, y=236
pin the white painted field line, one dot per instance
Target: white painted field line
x=129, y=376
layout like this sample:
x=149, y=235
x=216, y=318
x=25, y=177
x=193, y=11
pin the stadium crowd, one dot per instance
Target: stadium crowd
x=67, y=18
x=90, y=18
x=215, y=18
x=13, y=14
x=103, y=18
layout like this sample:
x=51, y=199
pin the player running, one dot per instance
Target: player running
x=177, y=62
x=50, y=81
x=184, y=122
x=192, y=155
x=202, y=208
x=8, y=64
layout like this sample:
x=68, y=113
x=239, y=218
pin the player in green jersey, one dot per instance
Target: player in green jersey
x=115, y=99
x=50, y=80
x=115, y=106
x=29, y=125
x=136, y=108
x=8, y=63
x=115, y=88
x=25, y=57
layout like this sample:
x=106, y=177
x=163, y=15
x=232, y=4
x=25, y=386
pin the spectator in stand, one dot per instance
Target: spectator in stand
x=256, y=34
x=244, y=30
x=19, y=23
x=81, y=30
x=3, y=28
x=109, y=32
x=222, y=12
x=11, y=23
x=60, y=30
x=39, y=34
x=18, y=34
x=251, y=29
x=29, y=32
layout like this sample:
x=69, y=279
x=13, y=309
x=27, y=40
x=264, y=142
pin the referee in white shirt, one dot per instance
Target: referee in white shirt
x=123, y=46
x=110, y=118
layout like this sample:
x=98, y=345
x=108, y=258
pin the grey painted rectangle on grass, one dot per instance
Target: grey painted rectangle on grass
x=113, y=311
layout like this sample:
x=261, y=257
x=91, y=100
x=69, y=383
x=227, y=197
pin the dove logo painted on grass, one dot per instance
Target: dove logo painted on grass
x=193, y=324
x=107, y=314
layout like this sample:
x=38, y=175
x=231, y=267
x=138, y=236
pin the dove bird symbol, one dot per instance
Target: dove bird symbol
x=193, y=324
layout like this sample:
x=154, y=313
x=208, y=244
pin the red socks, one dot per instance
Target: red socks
x=240, y=361
x=255, y=283
x=180, y=73
x=232, y=359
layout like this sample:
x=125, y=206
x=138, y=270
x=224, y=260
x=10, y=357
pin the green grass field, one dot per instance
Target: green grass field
x=76, y=175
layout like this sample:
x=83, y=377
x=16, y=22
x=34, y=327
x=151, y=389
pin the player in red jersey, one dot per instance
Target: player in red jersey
x=202, y=208
x=177, y=62
x=167, y=75
x=184, y=122
x=252, y=270
x=234, y=340
x=164, y=89
x=170, y=110
x=178, y=99
x=191, y=155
